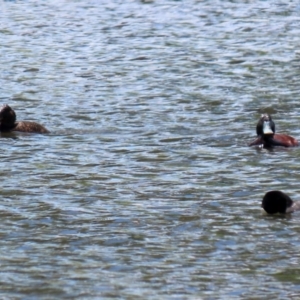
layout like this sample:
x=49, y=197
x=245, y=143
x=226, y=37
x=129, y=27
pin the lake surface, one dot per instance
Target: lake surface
x=146, y=188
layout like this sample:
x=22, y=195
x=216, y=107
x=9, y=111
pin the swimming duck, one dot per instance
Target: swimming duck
x=8, y=122
x=266, y=136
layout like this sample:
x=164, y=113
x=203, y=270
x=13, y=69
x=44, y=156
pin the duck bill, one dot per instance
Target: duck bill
x=267, y=128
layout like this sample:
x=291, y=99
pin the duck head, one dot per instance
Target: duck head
x=265, y=125
x=7, y=117
x=277, y=202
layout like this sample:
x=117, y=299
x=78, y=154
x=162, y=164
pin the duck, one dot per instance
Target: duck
x=8, y=122
x=266, y=136
x=278, y=202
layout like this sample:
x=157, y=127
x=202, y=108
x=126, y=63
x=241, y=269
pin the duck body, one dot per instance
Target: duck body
x=266, y=136
x=8, y=122
x=275, y=140
x=27, y=126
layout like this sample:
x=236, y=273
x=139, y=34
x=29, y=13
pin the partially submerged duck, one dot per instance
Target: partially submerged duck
x=266, y=136
x=8, y=122
x=278, y=202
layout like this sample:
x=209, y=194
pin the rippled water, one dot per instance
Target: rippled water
x=145, y=188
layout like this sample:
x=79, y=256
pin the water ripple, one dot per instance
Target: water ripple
x=146, y=187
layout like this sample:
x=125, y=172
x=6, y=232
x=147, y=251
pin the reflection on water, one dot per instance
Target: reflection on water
x=145, y=187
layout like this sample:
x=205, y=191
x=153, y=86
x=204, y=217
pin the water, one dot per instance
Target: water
x=145, y=188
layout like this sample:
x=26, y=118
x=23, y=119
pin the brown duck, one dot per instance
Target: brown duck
x=8, y=122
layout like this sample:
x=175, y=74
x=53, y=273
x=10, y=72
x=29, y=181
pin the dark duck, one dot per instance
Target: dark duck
x=8, y=122
x=266, y=136
x=278, y=202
